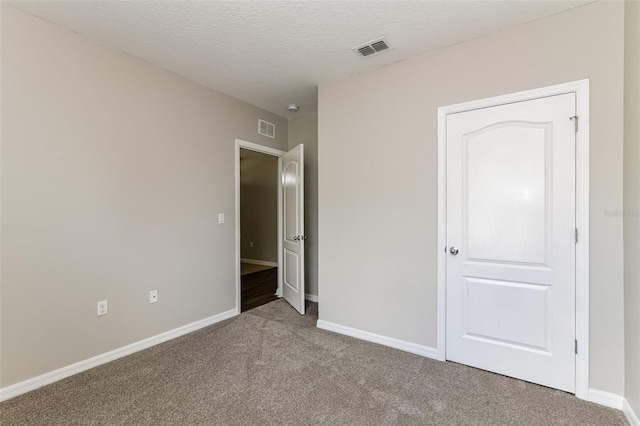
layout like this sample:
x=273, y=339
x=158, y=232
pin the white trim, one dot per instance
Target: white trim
x=311, y=297
x=259, y=148
x=258, y=262
x=582, y=248
x=441, y=269
x=607, y=399
x=279, y=292
x=581, y=89
x=264, y=150
x=78, y=367
x=403, y=345
x=629, y=413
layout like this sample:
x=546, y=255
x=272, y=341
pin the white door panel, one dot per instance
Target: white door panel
x=293, y=227
x=511, y=215
x=290, y=194
x=291, y=269
x=500, y=310
x=506, y=192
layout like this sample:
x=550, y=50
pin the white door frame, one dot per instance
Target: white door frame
x=581, y=89
x=241, y=144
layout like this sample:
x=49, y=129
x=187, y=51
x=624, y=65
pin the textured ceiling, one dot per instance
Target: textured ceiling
x=272, y=53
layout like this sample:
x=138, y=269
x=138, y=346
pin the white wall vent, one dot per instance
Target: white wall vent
x=266, y=129
x=373, y=47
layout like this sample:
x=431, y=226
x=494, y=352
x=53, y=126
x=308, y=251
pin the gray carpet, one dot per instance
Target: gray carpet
x=271, y=366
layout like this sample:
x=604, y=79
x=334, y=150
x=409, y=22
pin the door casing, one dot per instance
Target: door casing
x=241, y=144
x=581, y=89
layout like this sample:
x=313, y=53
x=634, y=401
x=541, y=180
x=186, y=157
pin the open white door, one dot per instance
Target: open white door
x=293, y=227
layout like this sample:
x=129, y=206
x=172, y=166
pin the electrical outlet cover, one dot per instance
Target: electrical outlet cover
x=102, y=308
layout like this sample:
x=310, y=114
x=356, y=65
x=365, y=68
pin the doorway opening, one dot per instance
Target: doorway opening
x=258, y=228
x=290, y=238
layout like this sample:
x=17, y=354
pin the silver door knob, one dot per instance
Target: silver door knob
x=453, y=251
x=296, y=238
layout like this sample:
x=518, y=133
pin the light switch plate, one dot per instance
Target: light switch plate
x=220, y=217
x=102, y=308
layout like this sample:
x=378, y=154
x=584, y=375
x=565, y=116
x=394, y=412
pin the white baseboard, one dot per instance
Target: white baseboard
x=259, y=262
x=64, y=372
x=311, y=297
x=629, y=414
x=414, y=348
x=607, y=399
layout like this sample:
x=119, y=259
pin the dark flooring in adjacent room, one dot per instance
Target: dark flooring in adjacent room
x=272, y=366
x=259, y=285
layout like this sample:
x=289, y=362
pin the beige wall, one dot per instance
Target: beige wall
x=113, y=173
x=258, y=206
x=305, y=130
x=632, y=204
x=377, y=177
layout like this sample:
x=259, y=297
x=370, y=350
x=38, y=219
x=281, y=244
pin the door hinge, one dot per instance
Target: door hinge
x=576, y=345
x=575, y=121
x=576, y=235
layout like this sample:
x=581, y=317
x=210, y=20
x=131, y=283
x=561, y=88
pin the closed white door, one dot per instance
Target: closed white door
x=511, y=240
x=293, y=227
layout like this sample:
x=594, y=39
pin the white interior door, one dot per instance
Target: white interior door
x=510, y=283
x=293, y=227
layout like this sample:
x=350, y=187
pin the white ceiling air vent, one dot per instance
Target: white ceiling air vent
x=372, y=47
x=266, y=129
